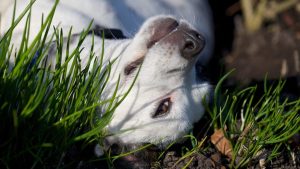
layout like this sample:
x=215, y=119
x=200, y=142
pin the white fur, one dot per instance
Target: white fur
x=132, y=119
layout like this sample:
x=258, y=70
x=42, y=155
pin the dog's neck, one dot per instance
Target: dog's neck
x=113, y=48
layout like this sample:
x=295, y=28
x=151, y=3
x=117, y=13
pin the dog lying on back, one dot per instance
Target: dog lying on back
x=166, y=98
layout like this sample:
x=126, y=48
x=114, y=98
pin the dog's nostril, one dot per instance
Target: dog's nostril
x=193, y=44
x=189, y=45
x=199, y=36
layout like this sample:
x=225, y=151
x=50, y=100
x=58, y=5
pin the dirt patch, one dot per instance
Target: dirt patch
x=196, y=160
x=272, y=51
x=209, y=158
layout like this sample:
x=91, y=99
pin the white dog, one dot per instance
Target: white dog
x=167, y=97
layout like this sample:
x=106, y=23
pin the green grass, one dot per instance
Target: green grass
x=45, y=112
x=255, y=121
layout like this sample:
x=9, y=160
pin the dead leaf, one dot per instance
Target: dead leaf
x=221, y=142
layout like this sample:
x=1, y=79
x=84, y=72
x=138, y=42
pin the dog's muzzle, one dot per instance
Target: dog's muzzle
x=189, y=41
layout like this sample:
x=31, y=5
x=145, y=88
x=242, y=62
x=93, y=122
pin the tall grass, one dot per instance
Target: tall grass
x=44, y=112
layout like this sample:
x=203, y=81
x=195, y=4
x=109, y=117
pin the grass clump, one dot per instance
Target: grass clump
x=44, y=111
x=258, y=126
x=250, y=126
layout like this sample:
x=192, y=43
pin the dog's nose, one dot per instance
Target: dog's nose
x=170, y=31
x=192, y=44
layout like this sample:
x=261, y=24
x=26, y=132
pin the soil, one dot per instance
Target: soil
x=273, y=51
x=209, y=158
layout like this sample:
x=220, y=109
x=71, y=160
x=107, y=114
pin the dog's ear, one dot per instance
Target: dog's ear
x=131, y=67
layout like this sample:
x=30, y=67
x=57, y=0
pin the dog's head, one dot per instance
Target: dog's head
x=167, y=96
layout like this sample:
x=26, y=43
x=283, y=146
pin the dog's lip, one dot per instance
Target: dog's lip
x=201, y=74
x=181, y=69
x=174, y=70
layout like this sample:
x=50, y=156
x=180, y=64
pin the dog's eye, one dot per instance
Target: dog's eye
x=163, y=108
x=130, y=68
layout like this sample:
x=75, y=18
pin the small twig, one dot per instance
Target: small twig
x=254, y=16
x=277, y=8
x=293, y=155
x=247, y=8
x=236, y=7
x=245, y=131
x=262, y=163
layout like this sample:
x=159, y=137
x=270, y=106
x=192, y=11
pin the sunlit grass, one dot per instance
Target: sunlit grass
x=255, y=122
x=258, y=124
x=46, y=109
